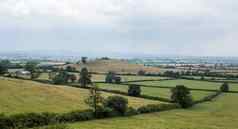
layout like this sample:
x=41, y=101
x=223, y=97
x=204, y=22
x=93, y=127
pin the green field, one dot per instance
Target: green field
x=160, y=92
x=219, y=114
x=18, y=96
x=189, y=84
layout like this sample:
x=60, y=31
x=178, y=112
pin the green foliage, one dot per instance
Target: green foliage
x=110, y=77
x=85, y=77
x=182, y=96
x=61, y=78
x=4, y=64
x=134, y=90
x=70, y=69
x=225, y=87
x=156, y=108
x=31, y=66
x=95, y=99
x=117, y=103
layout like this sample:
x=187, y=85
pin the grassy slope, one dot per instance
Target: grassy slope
x=161, y=92
x=219, y=114
x=17, y=96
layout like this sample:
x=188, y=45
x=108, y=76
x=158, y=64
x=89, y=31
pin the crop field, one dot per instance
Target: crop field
x=19, y=96
x=218, y=114
x=159, y=92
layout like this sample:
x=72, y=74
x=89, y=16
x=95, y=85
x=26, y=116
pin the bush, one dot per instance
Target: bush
x=134, y=90
x=182, y=96
x=225, y=87
x=117, y=103
x=156, y=108
x=131, y=111
x=76, y=116
x=117, y=80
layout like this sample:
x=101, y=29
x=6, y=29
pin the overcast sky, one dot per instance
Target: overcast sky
x=158, y=27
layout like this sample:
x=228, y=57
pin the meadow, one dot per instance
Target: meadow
x=21, y=96
x=218, y=114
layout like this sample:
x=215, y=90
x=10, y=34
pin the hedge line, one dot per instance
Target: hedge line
x=208, y=98
x=30, y=120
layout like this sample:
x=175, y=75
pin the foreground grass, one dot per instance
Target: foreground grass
x=218, y=114
x=160, y=92
x=19, y=96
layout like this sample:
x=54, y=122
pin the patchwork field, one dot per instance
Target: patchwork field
x=189, y=84
x=18, y=96
x=160, y=92
x=218, y=114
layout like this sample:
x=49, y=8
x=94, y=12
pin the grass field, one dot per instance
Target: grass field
x=160, y=92
x=219, y=114
x=189, y=84
x=18, y=96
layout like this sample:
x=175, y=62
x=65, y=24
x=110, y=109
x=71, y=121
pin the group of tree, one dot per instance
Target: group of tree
x=99, y=104
x=32, y=67
x=63, y=77
x=182, y=96
x=4, y=65
x=111, y=77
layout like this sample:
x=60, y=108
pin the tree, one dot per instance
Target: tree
x=85, y=77
x=110, y=77
x=31, y=66
x=224, y=87
x=182, y=96
x=134, y=90
x=61, y=78
x=4, y=64
x=70, y=69
x=95, y=99
x=117, y=103
x=84, y=60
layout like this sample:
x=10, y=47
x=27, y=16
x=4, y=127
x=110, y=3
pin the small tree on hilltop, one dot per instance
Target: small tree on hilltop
x=182, y=96
x=134, y=90
x=85, y=77
x=224, y=87
x=95, y=99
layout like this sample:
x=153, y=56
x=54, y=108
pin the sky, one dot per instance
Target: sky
x=153, y=27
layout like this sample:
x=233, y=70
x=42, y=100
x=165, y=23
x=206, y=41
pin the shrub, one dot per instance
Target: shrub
x=131, y=111
x=156, y=108
x=117, y=80
x=134, y=90
x=117, y=103
x=224, y=87
x=182, y=96
x=76, y=116
x=110, y=77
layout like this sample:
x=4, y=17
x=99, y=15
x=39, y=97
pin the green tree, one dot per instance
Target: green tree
x=110, y=77
x=85, y=77
x=182, y=96
x=61, y=78
x=117, y=103
x=31, y=66
x=4, y=64
x=134, y=90
x=95, y=99
x=224, y=87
